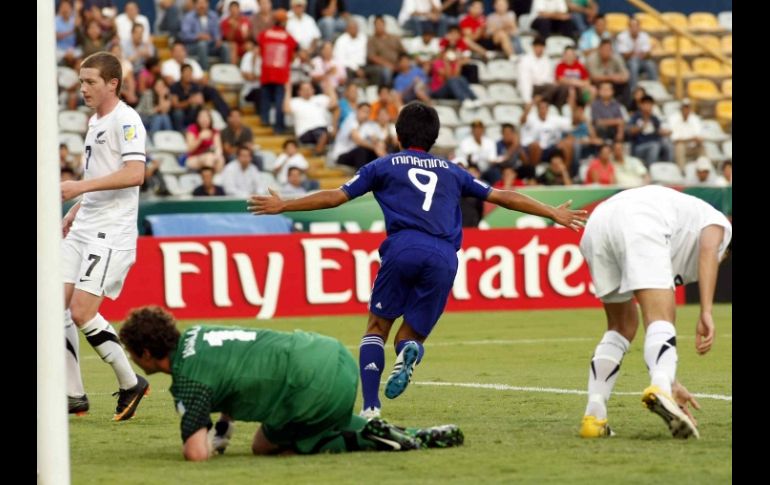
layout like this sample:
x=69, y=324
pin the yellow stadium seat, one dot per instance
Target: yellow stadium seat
x=667, y=69
x=678, y=19
x=616, y=22
x=650, y=24
x=710, y=41
x=704, y=22
x=160, y=41
x=724, y=112
x=727, y=44
x=727, y=87
x=703, y=89
x=706, y=66
x=687, y=47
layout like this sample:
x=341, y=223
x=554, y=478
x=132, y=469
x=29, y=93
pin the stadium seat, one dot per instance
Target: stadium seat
x=481, y=94
x=711, y=41
x=656, y=90
x=687, y=47
x=555, y=45
x=504, y=93
x=671, y=107
x=725, y=111
x=268, y=159
x=727, y=45
x=727, y=148
x=526, y=43
x=708, y=67
x=507, y=113
x=726, y=20
x=217, y=122
x=667, y=69
x=447, y=116
x=713, y=131
x=713, y=152
x=73, y=121
x=462, y=132
x=172, y=184
x=73, y=141
x=616, y=22
x=502, y=70
x=485, y=75
x=525, y=23
x=677, y=19
x=446, y=138
x=363, y=24
x=169, y=141
x=226, y=75
x=188, y=182
x=650, y=24
x=168, y=163
x=493, y=132
x=690, y=169
x=467, y=115
x=703, y=89
x=66, y=77
x=666, y=173
x=704, y=22
x=371, y=93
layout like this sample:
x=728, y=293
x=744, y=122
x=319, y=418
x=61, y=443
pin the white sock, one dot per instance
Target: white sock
x=74, y=381
x=605, y=367
x=660, y=354
x=104, y=340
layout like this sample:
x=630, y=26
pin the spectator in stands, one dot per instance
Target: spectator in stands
x=186, y=99
x=247, y=7
x=128, y=84
x=240, y=178
x=585, y=141
x=347, y=104
x=124, y=24
x=382, y=52
x=293, y=186
x=482, y=151
x=501, y=25
x=606, y=66
x=423, y=47
x=636, y=48
x=154, y=183
x=104, y=17
x=148, y=74
x=350, y=51
x=583, y=13
x=572, y=79
x=381, y=130
x=331, y=16
x=208, y=188
x=302, y=27
x=629, y=171
x=171, y=70
x=201, y=35
x=536, y=74
x=67, y=173
x=509, y=148
x=551, y=17
x=411, y=82
x=590, y=39
x=236, y=30
x=251, y=67
x=542, y=131
x=346, y=150
x=170, y=22
x=557, y=172
x=387, y=100
x=311, y=114
x=606, y=115
x=636, y=99
x=290, y=158
x=371, y=142
x=66, y=160
x=454, y=40
x=726, y=178
x=477, y=31
x=94, y=40
x=414, y=14
x=235, y=135
x=328, y=69
x=277, y=51
x=263, y=19
x=65, y=21
x=204, y=145
x=137, y=50
x=700, y=172
x=601, y=170
x=155, y=107
x=471, y=208
x=686, y=134
x=649, y=139
x=446, y=81
x=452, y=11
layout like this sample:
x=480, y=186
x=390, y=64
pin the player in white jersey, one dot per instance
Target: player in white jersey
x=641, y=243
x=100, y=232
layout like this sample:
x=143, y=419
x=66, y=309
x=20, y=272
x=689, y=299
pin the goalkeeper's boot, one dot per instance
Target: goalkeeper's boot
x=78, y=405
x=223, y=431
x=402, y=370
x=388, y=437
x=444, y=436
x=128, y=399
x=664, y=406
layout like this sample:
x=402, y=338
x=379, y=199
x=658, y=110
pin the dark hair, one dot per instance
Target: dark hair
x=242, y=147
x=205, y=169
x=569, y=48
x=507, y=125
x=539, y=40
x=135, y=25
x=605, y=42
x=151, y=62
x=178, y=42
x=150, y=328
x=290, y=141
x=108, y=66
x=361, y=105
x=417, y=126
x=185, y=66
x=67, y=170
x=452, y=28
x=63, y=145
x=381, y=87
x=379, y=17
x=288, y=172
x=556, y=153
x=647, y=99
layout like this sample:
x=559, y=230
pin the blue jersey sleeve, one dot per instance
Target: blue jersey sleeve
x=472, y=187
x=362, y=182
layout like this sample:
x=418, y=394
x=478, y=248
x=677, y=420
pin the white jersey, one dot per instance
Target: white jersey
x=633, y=221
x=108, y=217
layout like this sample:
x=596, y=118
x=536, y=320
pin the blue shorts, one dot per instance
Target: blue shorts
x=415, y=277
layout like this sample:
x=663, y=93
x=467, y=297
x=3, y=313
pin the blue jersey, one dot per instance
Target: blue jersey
x=418, y=191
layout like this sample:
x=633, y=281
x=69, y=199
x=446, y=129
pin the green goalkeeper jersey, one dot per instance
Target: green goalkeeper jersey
x=272, y=377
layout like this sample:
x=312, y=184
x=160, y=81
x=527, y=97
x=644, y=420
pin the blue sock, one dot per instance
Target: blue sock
x=371, y=360
x=400, y=347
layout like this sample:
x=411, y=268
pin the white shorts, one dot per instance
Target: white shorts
x=96, y=269
x=626, y=253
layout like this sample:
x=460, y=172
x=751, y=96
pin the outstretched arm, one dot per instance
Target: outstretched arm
x=131, y=175
x=708, y=266
x=573, y=219
x=273, y=204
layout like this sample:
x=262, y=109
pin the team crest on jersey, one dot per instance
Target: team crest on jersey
x=129, y=132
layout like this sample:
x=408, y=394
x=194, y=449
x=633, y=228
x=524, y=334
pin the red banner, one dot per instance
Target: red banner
x=301, y=274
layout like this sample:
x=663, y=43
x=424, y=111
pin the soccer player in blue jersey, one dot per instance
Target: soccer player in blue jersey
x=419, y=194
